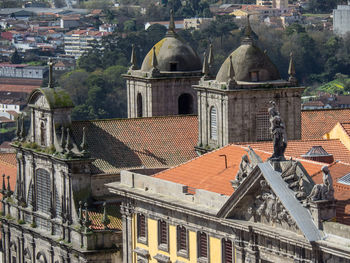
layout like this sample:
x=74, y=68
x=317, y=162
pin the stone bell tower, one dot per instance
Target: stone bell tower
x=163, y=84
x=233, y=106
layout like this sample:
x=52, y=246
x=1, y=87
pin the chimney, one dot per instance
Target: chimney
x=318, y=154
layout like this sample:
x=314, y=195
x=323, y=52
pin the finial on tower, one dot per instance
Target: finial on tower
x=248, y=33
x=133, y=59
x=248, y=29
x=211, y=55
x=171, y=28
x=205, y=69
x=50, y=63
x=231, y=73
x=291, y=70
x=154, y=59
x=154, y=70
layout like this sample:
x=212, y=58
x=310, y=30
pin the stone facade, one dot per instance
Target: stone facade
x=242, y=114
x=267, y=233
x=233, y=106
x=163, y=84
x=43, y=219
x=148, y=97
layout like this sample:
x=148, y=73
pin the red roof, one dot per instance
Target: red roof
x=316, y=123
x=156, y=142
x=8, y=168
x=298, y=148
x=208, y=171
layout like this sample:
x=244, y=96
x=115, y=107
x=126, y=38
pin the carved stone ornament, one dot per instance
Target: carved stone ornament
x=245, y=167
x=267, y=205
x=324, y=191
x=278, y=133
x=295, y=182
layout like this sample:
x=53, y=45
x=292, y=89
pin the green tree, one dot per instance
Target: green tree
x=16, y=58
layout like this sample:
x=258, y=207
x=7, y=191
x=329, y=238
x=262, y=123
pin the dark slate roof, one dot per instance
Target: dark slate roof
x=300, y=214
x=154, y=142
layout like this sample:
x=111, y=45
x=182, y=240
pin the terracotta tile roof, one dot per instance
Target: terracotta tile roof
x=299, y=147
x=316, y=123
x=155, y=142
x=208, y=171
x=341, y=191
x=113, y=213
x=8, y=169
x=8, y=158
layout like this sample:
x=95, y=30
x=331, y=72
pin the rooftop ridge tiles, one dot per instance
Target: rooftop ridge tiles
x=316, y=110
x=140, y=118
x=300, y=140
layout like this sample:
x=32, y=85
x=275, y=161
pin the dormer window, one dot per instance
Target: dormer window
x=173, y=66
x=254, y=76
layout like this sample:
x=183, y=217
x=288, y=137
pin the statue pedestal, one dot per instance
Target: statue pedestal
x=321, y=211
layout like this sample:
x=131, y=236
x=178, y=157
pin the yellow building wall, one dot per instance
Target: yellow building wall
x=338, y=133
x=215, y=249
x=152, y=247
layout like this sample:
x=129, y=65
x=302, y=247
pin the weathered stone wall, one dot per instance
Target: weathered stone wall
x=159, y=96
x=237, y=114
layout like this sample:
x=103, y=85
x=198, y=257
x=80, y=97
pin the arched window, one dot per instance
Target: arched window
x=213, y=124
x=139, y=105
x=43, y=190
x=42, y=134
x=185, y=104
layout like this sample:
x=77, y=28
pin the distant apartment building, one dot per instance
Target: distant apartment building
x=196, y=23
x=22, y=71
x=341, y=19
x=280, y=4
x=77, y=42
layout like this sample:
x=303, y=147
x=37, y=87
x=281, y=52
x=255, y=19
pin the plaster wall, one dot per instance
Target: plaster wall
x=338, y=133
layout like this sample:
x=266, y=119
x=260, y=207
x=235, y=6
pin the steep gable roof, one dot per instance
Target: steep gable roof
x=156, y=142
x=316, y=123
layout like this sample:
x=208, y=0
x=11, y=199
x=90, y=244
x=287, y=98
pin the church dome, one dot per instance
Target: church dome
x=173, y=54
x=249, y=64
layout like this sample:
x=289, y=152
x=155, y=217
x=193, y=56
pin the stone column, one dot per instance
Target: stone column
x=239, y=248
x=32, y=125
x=126, y=210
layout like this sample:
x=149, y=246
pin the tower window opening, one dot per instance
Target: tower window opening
x=139, y=105
x=42, y=134
x=173, y=66
x=213, y=124
x=185, y=104
x=254, y=76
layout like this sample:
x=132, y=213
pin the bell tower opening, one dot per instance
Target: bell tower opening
x=185, y=104
x=42, y=134
x=139, y=105
x=173, y=66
